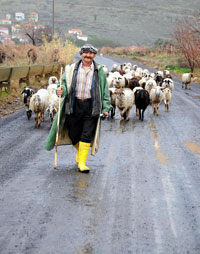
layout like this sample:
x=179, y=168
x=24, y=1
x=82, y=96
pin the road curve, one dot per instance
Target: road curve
x=142, y=195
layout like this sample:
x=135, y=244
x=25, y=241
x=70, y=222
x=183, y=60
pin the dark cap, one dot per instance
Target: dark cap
x=88, y=48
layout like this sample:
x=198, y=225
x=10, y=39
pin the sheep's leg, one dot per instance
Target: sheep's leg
x=127, y=114
x=157, y=111
x=137, y=112
x=36, y=120
x=142, y=114
x=123, y=113
x=112, y=112
x=42, y=116
x=167, y=107
x=182, y=85
x=39, y=119
x=189, y=86
x=153, y=107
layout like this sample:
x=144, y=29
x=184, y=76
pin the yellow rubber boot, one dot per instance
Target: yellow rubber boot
x=77, y=154
x=83, y=153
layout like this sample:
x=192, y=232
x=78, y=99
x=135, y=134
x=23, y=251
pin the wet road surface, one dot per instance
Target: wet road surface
x=141, y=196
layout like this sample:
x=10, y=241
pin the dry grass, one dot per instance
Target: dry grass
x=66, y=53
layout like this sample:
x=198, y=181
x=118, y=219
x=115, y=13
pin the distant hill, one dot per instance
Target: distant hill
x=127, y=22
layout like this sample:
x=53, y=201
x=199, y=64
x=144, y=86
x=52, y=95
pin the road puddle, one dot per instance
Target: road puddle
x=159, y=154
x=196, y=97
x=87, y=249
x=193, y=147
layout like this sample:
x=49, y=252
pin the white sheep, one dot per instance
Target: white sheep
x=124, y=102
x=186, y=80
x=151, y=83
x=156, y=96
x=105, y=69
x=168, y=82
x=113, y=100
x=52, y=88
x=53, y=104
x=26, y=95
x=38, y=104
x=52, y=80
x=167, y=95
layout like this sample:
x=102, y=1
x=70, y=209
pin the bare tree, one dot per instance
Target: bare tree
x=36, y=34
x=187, y=37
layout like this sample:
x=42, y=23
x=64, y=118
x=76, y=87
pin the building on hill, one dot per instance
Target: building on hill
x=4, y=30
x=19, y=16
x=75, y=31
x=33, y=17
x=8, y=16
x=82, y=37
x=4, y=37
x=5, y=22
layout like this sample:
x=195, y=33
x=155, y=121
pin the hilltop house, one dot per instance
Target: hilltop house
x=5, y=22
x=4, y=37
x=33, y=17
x=82, y=37
x=75, y=31
x=4, y=30
x=19, y=16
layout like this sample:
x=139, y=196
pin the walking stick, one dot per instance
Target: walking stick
x=58, y=123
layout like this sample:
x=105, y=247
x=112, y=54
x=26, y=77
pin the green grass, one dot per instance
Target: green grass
x=178, y=69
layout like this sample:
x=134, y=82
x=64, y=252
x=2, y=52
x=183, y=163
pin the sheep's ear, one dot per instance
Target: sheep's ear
x=48, y=109
x=22, y=92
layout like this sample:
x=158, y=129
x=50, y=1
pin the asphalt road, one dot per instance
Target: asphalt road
x=142, y=195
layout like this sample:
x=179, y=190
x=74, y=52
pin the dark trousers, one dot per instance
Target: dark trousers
x=81, y=124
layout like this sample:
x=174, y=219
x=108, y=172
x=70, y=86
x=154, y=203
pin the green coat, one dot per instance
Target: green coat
x=63, y=132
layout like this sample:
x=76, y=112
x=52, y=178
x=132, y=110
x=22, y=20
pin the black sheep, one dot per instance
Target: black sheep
x=142, y=100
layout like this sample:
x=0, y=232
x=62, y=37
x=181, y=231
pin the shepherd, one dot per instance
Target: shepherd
x=85, y=97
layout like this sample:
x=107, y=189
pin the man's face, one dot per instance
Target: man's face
x=87, y=58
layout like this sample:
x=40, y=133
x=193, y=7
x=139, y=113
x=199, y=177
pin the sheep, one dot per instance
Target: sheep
x=124, y=102
x=159, y=77
x=52, y=89
x=114, y=68
x=142, y=82
x=168, y=82
x=133, y=83
x=150, y=84
x=186, y=80
x=113, y=100
x=119, y=81
x=167, y=95
x=105, y=69
x=112, y=78
x=38, y=104
x=53, y=104
x=26, y=95
x=142, y=101
x=156, y=96
x=53, y=80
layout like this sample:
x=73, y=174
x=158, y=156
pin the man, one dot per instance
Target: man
x=86, y=96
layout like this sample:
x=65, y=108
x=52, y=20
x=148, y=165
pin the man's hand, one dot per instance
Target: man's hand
x=104, y=115
x=59, y=92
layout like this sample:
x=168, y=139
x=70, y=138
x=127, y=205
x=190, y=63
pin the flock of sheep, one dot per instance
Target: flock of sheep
x=41, y=101
x=128, y=85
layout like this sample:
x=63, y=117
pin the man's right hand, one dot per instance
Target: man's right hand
x=59, y=92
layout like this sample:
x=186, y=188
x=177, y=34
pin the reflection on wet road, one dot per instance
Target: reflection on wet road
x=159, y=154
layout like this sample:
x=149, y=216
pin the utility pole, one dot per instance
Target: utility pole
x=52, y=19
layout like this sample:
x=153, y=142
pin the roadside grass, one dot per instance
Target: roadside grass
x=175, y=63
x=66, y=55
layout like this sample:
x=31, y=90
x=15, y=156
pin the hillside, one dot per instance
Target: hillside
x=128, y=22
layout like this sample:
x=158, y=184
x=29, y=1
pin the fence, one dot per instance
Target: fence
x=24, y=73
